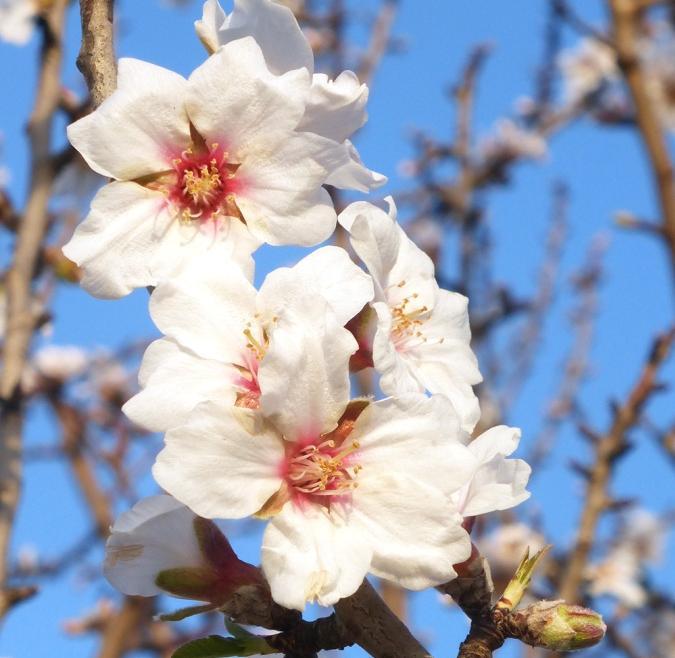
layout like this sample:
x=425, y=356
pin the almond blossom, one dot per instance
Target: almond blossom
x=334, y=109
x=497, y=483
x=587, y=68
x=162, y=546
x=341, y=482
x=422, y=340
x=221, y=356
x=17, y=20
x=214, y=162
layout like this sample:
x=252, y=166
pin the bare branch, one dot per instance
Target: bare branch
x=607, y=449
x=626, y=16
x=20, y=317
x=96, y=60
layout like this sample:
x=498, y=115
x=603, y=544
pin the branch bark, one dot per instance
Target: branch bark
x=373, y=626
x=607, y=449
x=626, y=16
x=20, y=317
x=96, y=60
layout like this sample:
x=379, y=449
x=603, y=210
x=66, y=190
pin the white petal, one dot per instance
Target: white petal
x=415, y=533
x=499, y=440
x=282, y=199
x=416, y=436
x=140, y=128
x=304, y=377
x=213, y=465
x=335, y=108
x=275, y=28
x=375, y=237
x=217, y=294
x=212, y=20
x=354, y=175
x=310, y=555
x=397, y=376
x=117, y=242
x=329, y=272
x=235, y=101
x=156, y=534
x=498, y=483
x=174, y=382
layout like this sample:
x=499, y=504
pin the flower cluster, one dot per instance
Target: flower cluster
x=252, y=385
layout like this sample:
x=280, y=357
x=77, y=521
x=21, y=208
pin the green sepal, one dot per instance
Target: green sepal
x=216, y=646
x=188, y=582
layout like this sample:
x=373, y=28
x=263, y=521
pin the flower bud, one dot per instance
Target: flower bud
x=162, y=546
x=557, y=626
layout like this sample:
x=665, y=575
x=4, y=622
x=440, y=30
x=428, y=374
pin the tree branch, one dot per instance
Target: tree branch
x=96, y=60
x=608, y=448
x=626, y=18
x=20, y=317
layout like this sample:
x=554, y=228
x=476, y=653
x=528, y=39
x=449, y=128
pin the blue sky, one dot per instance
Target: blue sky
x=604, y=168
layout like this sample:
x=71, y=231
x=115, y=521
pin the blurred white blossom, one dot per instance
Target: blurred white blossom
x=60, y=362
x=17, y=20
x=585, y=68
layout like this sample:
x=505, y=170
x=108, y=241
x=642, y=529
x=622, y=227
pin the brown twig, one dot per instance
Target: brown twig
x=608, y=448
x=626, y=16
x=379, y=40
x=96, y=60
x=19, y=281
x=373, y=626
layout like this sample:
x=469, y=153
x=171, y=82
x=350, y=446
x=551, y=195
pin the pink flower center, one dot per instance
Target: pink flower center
x=205, y=184
x=257, y=341
x=321, y=470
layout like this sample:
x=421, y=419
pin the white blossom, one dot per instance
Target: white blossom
x=221, y=356
x=497, y=483
x=510, y=139
x=618, y=575
x=156, y=534
x=17, y=20
x=60, y=362
x=212, y=163
x=586, y=68
x=505, y=547
x=335, y=109
x=342, y=483
x=422, y=340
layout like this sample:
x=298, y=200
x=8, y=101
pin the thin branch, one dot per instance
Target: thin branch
x=379, y=40
x=19, y=281
x=626, y=15
x=608, y=449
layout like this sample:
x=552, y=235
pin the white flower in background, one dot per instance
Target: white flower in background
x=17, y=20
x=505, y=547
x=511, y=140
x=644, y=534
x=422, y=340
x=586, y=68
x=162, y=546
x=222, y=355
x=427, y=234
x=342, y=483
x=618, y=575
x=497, y=483
x=210, y=163
x=335, y=109
x=60, y=362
